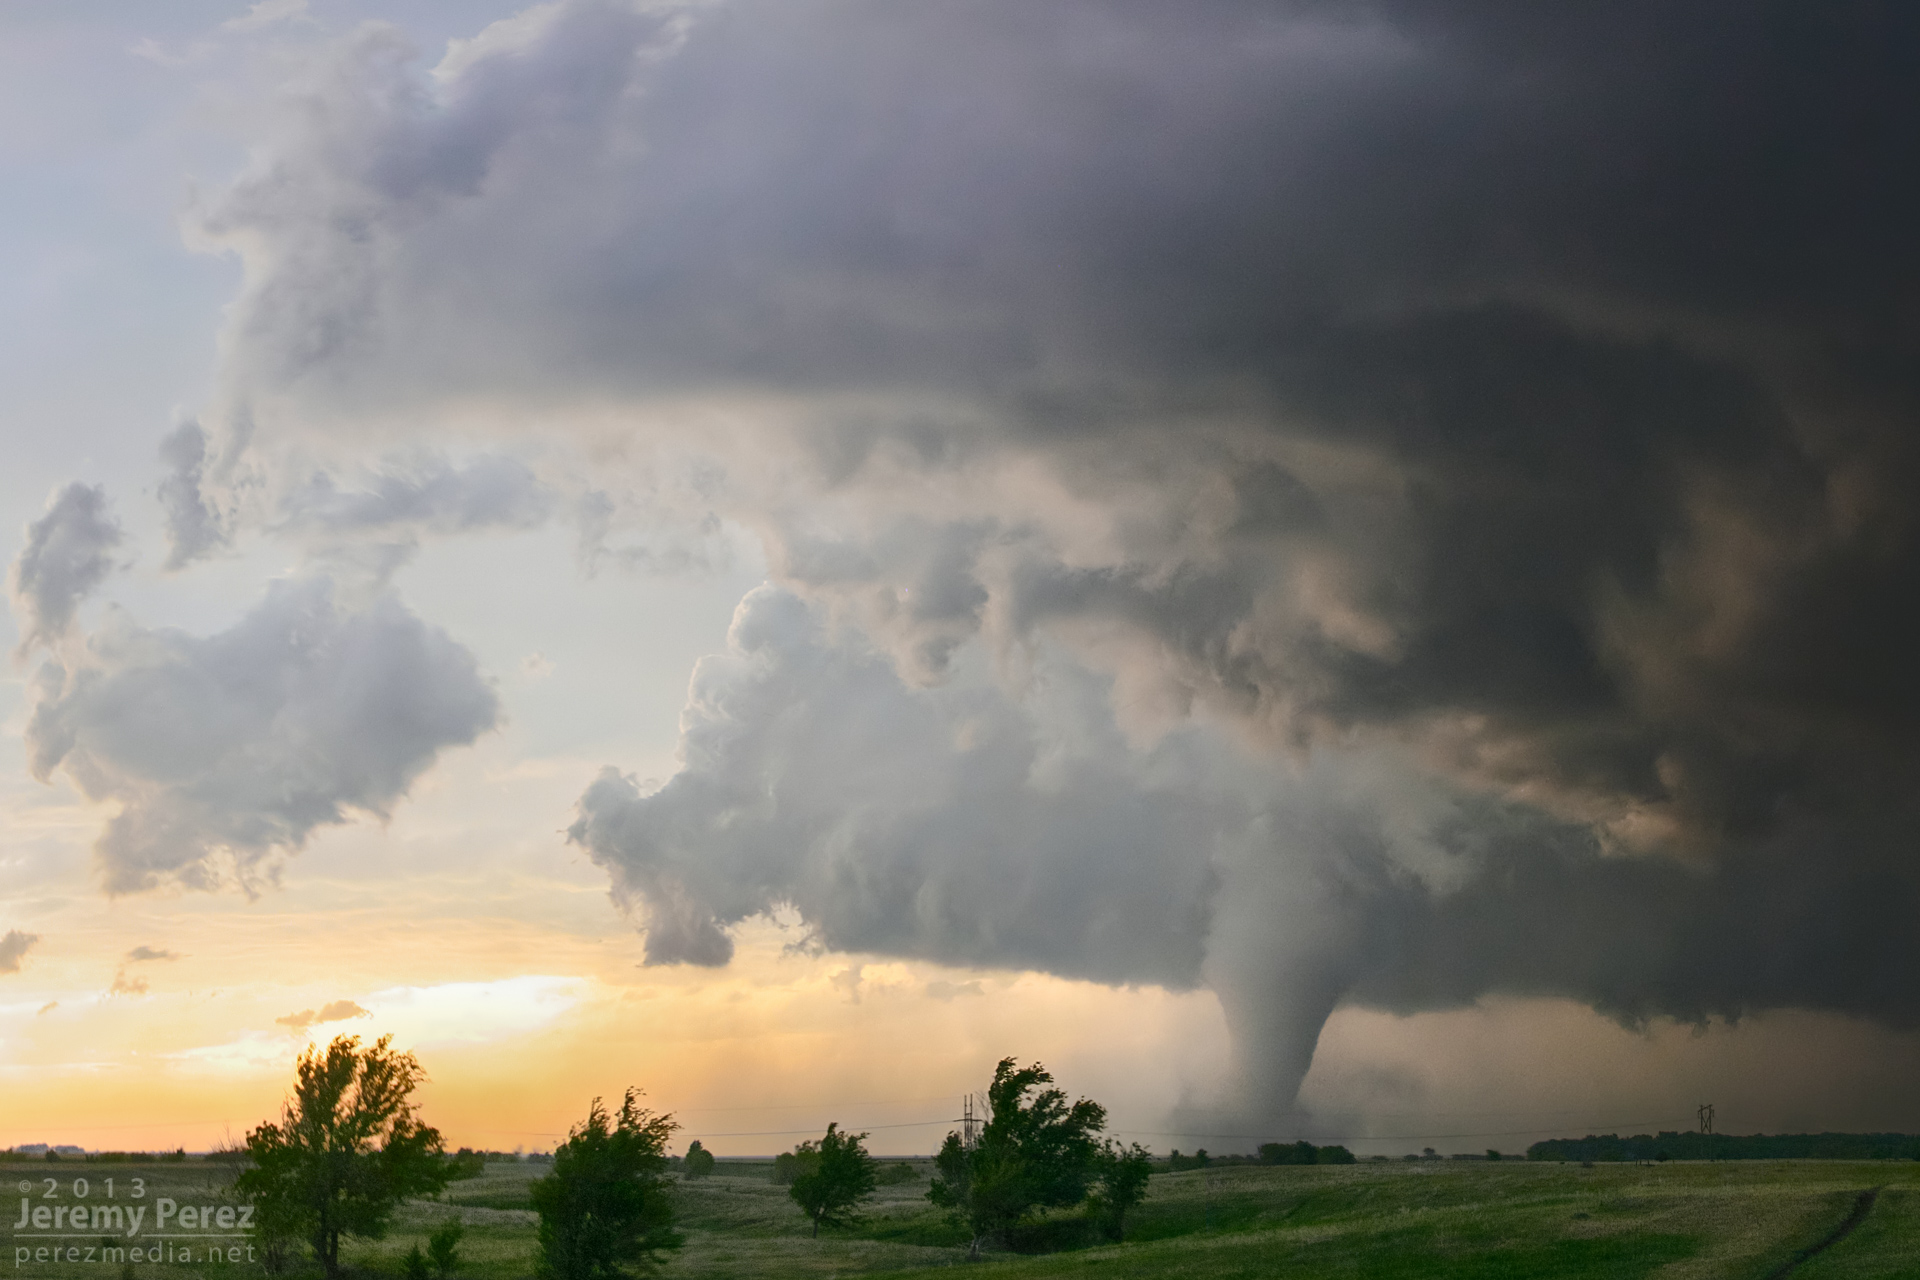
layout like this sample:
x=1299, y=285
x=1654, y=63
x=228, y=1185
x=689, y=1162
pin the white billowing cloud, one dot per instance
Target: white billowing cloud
x=225, y=753
x=13, y=949
x=68, y=554
x=942, y=823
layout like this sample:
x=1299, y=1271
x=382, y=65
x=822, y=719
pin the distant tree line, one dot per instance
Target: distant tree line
x=1726, y=1146
x=474, y=1158
x=1269, y=1153
x=1303, y=1153
x=39, y=1152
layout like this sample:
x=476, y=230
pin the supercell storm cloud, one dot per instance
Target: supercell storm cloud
x=1384, y=503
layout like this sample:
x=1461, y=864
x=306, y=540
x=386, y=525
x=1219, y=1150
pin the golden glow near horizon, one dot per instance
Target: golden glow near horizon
x=518, y=985
x=496, y=956
x=471, y=932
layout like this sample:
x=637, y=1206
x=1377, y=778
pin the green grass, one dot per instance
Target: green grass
x=1735, y=1221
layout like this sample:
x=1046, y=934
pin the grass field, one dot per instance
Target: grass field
x=1741, y=1221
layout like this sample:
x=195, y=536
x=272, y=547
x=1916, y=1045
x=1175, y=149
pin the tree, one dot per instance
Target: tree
x=789, y=1165
x=699, y=1160
x=606, y=1206
x=1290, y=1153
x=348, y=1148
x=1038, y=1153
x=835, y=1175
x=1123, y=1174
x=443, y=1247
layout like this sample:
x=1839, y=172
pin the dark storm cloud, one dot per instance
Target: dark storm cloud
x=68, y=554
x=1809, y=918
x=226, y=752
x=1525, y=388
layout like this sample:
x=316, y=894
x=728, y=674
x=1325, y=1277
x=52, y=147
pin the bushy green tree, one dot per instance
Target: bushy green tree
x=1123, y=1174
x=834, y=1176
x=789, y=1165
x=606, y=1209
x=892, y=1175
x=698, y=1162
x=348, y=1148
x=1037, y=1152
x=443, y=1247
x=468, y=1163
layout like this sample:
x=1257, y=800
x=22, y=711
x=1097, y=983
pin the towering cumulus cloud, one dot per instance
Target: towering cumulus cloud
x=935, y=823
x=227, y=752
x=1504, y=409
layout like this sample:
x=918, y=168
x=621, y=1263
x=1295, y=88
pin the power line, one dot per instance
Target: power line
x=802, y=1106
x=781, y=1133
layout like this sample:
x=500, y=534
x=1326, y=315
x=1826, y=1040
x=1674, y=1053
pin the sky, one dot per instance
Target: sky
x=1323, y=568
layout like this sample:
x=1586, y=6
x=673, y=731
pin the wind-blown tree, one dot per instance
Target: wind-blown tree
x=1123, y=1174
x=606, y=1210
x=836, y=1174
x=348, y=1149
x=1032, y=1153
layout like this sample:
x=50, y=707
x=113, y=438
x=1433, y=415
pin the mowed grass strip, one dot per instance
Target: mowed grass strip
x=1885, y=1246
x=1679, y=1222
